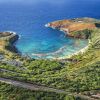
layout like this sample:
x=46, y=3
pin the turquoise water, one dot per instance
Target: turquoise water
x=28, y=19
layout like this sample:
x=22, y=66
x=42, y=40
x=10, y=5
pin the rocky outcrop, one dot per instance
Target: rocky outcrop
x=5, y=34
x=8, y=39
x=78, y=28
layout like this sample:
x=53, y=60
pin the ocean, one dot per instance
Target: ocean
x=28, y=19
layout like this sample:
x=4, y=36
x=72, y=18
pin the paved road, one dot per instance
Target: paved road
x=40, y=88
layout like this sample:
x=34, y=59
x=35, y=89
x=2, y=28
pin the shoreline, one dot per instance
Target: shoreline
x=66, y=32
x=59, y=58
x=53, y=58
x=14, y=34
x=83, y=50
x=10, y=38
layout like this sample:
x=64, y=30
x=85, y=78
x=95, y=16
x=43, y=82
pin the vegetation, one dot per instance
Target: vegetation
x=82, y=34
x=9, y=92
x=82, y=74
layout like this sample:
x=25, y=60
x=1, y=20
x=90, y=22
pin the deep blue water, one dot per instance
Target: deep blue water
x=27, y=18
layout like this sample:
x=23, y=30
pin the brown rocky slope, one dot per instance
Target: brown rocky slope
x=78, y=28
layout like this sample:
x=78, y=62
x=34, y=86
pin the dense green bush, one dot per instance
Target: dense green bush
x=9, y=92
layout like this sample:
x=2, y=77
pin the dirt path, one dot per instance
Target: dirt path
x=40, y=88
x=30, y=86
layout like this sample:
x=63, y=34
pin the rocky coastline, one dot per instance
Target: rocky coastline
x=75, y=28
x=80, y=28
x=7, y=41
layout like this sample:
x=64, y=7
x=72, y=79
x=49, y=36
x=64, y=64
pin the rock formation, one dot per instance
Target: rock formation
x=7, y=40
x=78, y=28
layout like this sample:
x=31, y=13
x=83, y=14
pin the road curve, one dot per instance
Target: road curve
x=41, y=88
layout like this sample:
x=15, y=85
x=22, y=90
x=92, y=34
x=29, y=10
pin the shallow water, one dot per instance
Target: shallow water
x=28, y=18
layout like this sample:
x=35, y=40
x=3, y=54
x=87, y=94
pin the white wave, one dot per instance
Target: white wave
x=52, y=53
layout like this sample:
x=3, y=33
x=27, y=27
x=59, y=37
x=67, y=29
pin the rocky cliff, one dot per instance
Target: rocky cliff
x=7, y=40
x=78, y=28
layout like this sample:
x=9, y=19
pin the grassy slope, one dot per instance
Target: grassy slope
x=79, y=76
x=9, y=92
x=55, y=74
